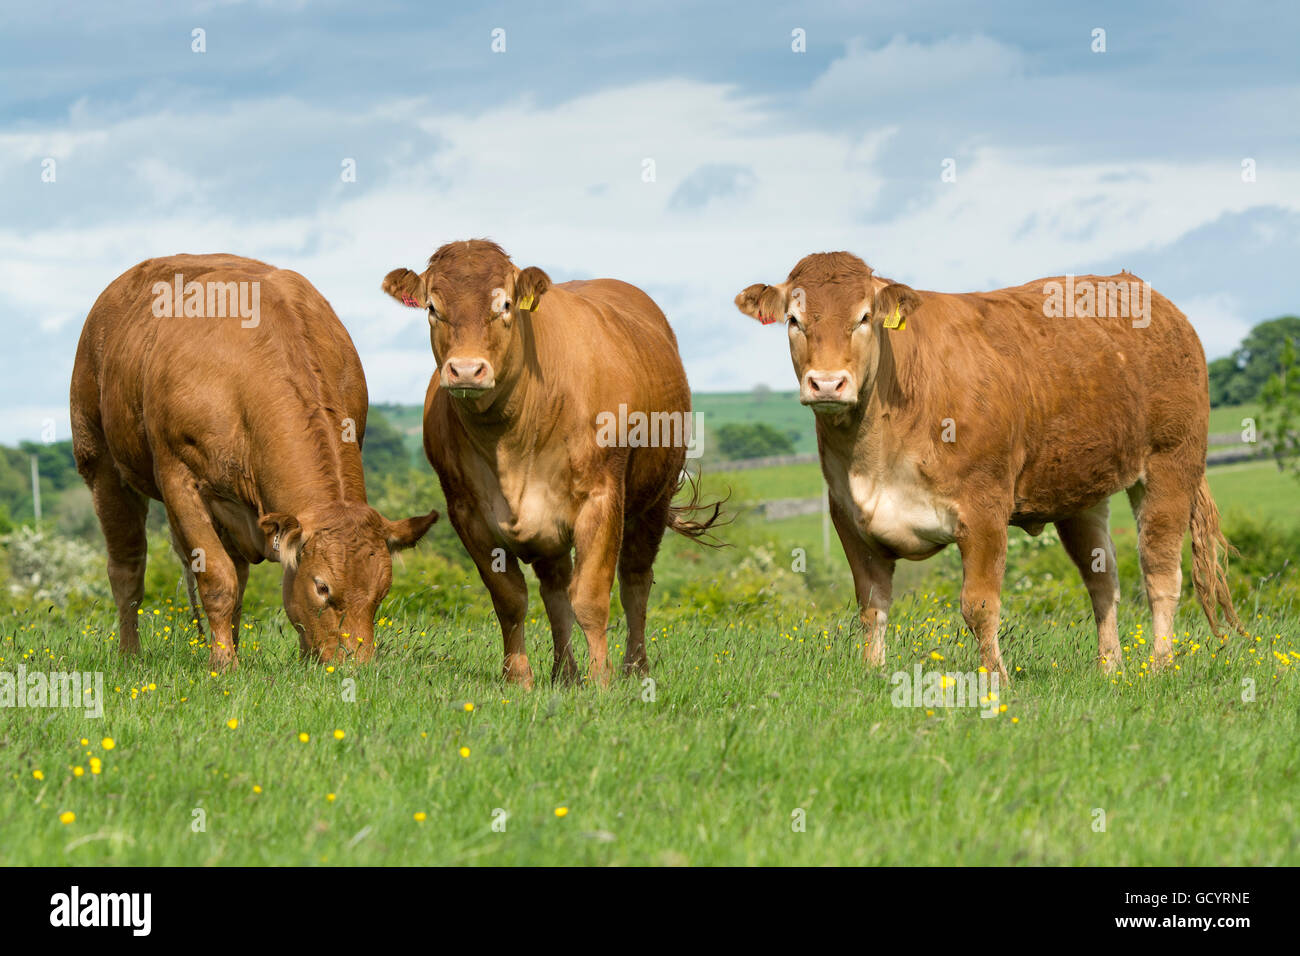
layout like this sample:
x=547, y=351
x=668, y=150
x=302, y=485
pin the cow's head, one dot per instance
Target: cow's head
x=337, y=568
x=835, y=311
x=474, y=296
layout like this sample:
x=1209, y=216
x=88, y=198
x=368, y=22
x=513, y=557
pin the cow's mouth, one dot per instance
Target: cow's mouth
x=469, y=391
x=825, y=407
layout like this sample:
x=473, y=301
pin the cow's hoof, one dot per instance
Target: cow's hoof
x=223, y=664
x=566, y=674
x=639, y=668
x=518, y=672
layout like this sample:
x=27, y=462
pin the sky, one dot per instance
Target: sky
x=689, y=152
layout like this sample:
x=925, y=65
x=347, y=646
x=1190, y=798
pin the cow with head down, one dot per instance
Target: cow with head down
x=948, y=418
x=529, y=375
x=228, y=390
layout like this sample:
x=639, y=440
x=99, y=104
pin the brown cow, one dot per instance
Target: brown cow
x=228, y=390
x=519, y=423
x=945, y=418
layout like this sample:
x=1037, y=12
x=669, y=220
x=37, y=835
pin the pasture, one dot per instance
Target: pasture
x=762, y=740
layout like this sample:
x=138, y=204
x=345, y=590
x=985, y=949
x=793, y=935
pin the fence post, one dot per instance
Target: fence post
x=36, y=487
x=826, y=524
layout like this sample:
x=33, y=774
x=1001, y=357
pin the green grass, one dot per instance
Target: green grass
x=753, y=719
x=1227, y=418
x=762, y=707
x=781, y=410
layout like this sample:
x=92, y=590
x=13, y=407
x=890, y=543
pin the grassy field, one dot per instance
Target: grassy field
x=761, y=715
x=762, y=740
x=751, y=721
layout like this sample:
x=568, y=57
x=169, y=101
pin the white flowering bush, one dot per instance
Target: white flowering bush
x=46, y=567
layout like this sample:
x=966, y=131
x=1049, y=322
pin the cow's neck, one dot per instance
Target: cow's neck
x=521, y=414
x=865, y=439
x=313, y=467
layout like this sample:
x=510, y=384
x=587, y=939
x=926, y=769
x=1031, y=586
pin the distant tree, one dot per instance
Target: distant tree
x=1239, y=378
x=1279, y=426
x=383, y=452
x=761, y=392
x=758, y=440
x=1221, y=373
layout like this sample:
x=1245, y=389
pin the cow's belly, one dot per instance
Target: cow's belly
x=907, y=518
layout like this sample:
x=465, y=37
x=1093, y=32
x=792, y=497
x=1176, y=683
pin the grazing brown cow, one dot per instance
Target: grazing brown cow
x=520, y=424
x=228, y=390
x=945, y=418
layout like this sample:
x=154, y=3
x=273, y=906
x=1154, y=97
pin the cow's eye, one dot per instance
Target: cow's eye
x=322, y=588
x=505, y=306
x=866, y=317
x=794, y=323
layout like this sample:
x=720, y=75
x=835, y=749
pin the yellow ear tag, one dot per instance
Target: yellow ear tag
x=526, y=303
x=896, y=321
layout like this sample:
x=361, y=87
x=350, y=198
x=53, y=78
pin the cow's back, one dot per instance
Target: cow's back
x=626, y=335
x=1070, y=405
x=208, y=383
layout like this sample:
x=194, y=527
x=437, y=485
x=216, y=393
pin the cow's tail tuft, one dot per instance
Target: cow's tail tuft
x=1210, y=551
x=680, y=516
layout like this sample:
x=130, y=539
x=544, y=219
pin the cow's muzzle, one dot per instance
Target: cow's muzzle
x=828, y=391
x=465, y=377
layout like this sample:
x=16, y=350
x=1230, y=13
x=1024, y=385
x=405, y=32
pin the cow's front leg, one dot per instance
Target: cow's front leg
x=873, y=582
x=984, y=560
x=597, y=537
x=554, y=576
x=193, y=530
x=505, y=582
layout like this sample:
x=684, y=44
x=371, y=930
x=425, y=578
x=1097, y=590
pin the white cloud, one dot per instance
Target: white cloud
x=1219, y=322
x=560, y=185
x=909, y=67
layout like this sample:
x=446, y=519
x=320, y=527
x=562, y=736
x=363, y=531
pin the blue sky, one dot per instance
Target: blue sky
x=1067, y=160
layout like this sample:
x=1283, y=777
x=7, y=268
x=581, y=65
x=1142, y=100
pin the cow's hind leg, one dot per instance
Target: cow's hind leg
x=554, y=576
x=191, y=584
x=1162, y=505
x=642, y=536
x=241, y=584
x=1086, y=537
x=597, y=535
x=122, y=512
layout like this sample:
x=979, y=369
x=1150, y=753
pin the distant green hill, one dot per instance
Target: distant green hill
x=781, y=410
x=778, y=409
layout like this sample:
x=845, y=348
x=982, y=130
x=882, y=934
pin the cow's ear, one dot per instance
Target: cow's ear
x=767, y=303
x=530, y=285
x=284, y=538
x=893, y=304
x=404, y=534
x=406, y=287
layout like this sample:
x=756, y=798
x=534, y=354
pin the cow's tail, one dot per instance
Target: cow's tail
x=1210, y=551
x=681, y=517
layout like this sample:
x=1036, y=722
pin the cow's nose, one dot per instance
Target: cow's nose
x=828, y=386
x=468, y=373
